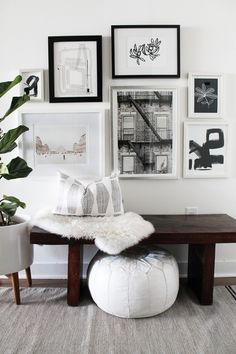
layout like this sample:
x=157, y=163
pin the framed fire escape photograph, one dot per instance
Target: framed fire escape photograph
x=144, y=132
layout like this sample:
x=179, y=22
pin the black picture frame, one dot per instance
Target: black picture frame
x=150, y=51
x=86, y=80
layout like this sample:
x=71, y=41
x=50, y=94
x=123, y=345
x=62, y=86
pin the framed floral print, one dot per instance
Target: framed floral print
x=145, y=51
x=205, y=96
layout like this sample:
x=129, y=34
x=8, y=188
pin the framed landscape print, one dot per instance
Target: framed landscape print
x=75, y=68
x=145, y=51
x=32, y=84
x=205, y=150
x=71, y=142
x=205, y=96
x=144, y=132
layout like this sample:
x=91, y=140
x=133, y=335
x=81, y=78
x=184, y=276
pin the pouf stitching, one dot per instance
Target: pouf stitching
x=166, y=288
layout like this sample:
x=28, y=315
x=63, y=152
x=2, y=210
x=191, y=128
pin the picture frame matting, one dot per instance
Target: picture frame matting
x=72, y=142
x=75, y=68
x=145, y=51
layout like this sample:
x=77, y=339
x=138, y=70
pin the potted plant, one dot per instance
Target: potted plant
x=17, y=167
x=15, y=250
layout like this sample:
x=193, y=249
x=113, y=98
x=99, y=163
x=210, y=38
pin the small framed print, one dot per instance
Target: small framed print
x=205, y=150
x=72, y=142
x=144, y=131
x=75, y=68
x=205, y=96
x=145, y=51
x=32, y=84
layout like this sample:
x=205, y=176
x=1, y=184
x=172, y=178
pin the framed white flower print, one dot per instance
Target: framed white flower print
x=205, y=96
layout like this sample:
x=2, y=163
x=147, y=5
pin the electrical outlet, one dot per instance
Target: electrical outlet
x=191, y=210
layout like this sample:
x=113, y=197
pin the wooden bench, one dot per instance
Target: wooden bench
x=200, y=232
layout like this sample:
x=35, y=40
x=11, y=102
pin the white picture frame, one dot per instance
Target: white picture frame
x=71, y=142
x=32, y=84
x=206, y=146
x=144, y=127
x=205, y=95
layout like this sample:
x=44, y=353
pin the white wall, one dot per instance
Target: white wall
x=207, y=45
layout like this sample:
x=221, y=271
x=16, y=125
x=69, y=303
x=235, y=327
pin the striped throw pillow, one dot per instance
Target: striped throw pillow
x=101, y=198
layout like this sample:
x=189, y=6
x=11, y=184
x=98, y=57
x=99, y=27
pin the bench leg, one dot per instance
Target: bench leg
x=201, y=265
x=28, y=276
x=73, y=282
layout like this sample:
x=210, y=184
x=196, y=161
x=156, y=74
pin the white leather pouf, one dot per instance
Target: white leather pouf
x=140, y=282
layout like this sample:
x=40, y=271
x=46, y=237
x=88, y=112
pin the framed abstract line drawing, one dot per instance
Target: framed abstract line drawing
x=145, y=51
x=205, y=96
x=205, y=150
x=32, y=84
x=144, y=132
x=72, y=142
x=75, y=68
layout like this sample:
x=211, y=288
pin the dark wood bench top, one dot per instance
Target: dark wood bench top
x=175, y=229
x=200, y=232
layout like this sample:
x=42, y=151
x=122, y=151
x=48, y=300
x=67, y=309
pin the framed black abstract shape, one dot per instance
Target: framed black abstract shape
x=205, y=150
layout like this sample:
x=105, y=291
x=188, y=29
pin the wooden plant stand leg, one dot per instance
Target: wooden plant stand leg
x=73, y=282
x=28, y=276
x=201, y=266
x=15, y=285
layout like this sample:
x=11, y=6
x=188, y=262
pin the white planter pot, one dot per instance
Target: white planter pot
x=16, y=252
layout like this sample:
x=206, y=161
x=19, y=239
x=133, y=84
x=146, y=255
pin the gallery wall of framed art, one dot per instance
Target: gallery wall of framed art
x=145, y=118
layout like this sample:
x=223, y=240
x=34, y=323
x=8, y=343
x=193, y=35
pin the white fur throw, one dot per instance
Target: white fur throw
x=112, y=234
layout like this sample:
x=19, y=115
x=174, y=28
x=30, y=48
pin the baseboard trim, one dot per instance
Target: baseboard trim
x=62, y=283
x=58, y=271
x=223, y=269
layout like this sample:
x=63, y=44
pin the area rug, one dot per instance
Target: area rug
x=45, y=324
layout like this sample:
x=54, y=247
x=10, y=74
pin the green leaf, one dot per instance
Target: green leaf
x=7, y=143
x=3, y=168
x=15, y=103
x=8, y=208
x=6, y=86
x=17, y=168
x=15, y=200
